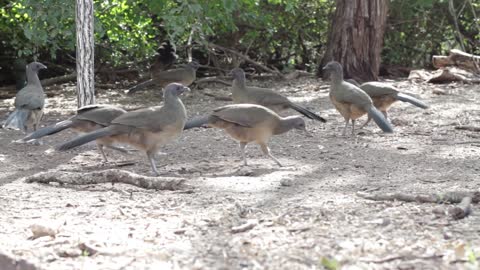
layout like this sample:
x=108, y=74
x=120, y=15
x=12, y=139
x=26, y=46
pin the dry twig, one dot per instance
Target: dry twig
x=106, y=176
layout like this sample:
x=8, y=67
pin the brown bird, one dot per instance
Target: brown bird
x=29, y=102
x=352, y=102
x=241, y=93
x=249, y=123
x=87, y=119
x=145, y=129
x=185, y=75
x=384, y=95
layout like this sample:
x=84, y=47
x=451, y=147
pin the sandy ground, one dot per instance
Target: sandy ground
x=305, y=215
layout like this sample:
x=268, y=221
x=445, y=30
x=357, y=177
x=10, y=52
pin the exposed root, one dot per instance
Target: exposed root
x=106, y=176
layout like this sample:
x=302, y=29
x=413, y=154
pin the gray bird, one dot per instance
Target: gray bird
x=185, y=75
x=384, y=95
x=352, y=102
x=241, y=93
x=145, y=129
x=249, y=123
x=29, y=102
x=87, y=119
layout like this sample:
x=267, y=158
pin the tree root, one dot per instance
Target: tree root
x=106, y=176
x=463, y=198
x=469, y=128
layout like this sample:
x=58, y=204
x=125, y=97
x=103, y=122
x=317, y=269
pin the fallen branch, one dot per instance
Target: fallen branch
x=461, y=210
x=219, y=98
x=469, y=128
x=449, y=197
x=106, y=176
x=297, y=74
x=458, y=58
x=247, y=59
x=212, y=80
x=250, y=224
x=60, y=79
x=408, y=257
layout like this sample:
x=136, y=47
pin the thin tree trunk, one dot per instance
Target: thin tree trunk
x=356, y=37
x=85, y=53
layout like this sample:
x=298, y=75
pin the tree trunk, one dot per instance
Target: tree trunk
x=85, y=50
x=356, y=37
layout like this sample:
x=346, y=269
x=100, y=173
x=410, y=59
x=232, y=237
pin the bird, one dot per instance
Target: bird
x=145, y=129
x=384, y=95
x=165, y=57
x=87, y=119
x=29, y=102
x=241, y=93
x=185, y=75
x=352, y=102
x=247, y=123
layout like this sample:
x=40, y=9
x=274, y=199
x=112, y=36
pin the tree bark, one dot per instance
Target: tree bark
x=356, y=37
x=85, y=53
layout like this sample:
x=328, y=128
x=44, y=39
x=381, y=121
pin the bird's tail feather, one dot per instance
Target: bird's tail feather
x=83, y=139
x=139, y=86
x=307, y=113
x=17, y=120
x=46, y=131
x=380, y=120
x=196, y=122
x=411, y=100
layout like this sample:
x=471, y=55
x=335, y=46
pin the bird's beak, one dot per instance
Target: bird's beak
x=186, y=89
x=325, y=68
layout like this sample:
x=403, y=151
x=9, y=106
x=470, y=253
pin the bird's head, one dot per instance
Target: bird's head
x=299, y=123
x=36, y=66
x=176, y=89
x=237, y=73
x=333, y=67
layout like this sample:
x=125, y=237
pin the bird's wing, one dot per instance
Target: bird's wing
x=99, y=114
x=247, y=115
x=349, y=93
x=154, y=119
x=30, y=97
x=267, y=97
x=375, y=89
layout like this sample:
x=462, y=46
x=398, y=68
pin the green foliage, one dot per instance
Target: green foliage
x=283, y=33
x=330, y=264
x=34, y=25
x=419, y=29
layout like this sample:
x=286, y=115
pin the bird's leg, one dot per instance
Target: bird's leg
x=345, y=127
x=244, y=156
x=151, y=158
x=266, y=151
x=385, y=114
x=368, y=120
x=121, y=150
x=100, y=148
x=353, y=127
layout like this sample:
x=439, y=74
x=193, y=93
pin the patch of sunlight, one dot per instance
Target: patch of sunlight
x=456, y=151
x=268, y=180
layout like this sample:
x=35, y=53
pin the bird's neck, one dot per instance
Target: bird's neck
x=337, y=78
x=284, y=125
x=174, y=102
x=32, y=77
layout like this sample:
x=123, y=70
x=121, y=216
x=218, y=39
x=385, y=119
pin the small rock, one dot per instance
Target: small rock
x=286, y=182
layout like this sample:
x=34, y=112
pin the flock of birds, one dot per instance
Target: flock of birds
x=252, y=118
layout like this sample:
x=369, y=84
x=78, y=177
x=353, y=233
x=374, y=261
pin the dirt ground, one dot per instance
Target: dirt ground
x=305, y=215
